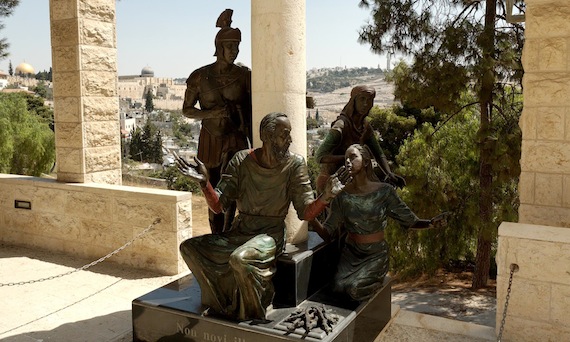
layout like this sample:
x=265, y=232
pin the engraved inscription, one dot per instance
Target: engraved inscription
x=214, y=338
x=206, y=336
x=186, y=331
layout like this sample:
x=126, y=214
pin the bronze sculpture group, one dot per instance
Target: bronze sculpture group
x=234, y=266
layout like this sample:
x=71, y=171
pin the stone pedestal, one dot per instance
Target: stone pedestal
x=174, y=313
x=296, y=279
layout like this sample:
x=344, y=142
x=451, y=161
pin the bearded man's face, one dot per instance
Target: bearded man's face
x=281, y=139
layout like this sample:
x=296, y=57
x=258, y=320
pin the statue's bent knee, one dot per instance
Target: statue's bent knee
x=258, y=249
x=189, y=253
x=239, y=256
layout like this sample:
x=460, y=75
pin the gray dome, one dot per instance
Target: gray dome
x=147, y=71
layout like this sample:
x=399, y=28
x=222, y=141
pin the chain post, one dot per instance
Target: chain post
x=514, y=268
x=83, y=268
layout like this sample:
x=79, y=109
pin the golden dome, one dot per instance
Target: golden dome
x=24, y=69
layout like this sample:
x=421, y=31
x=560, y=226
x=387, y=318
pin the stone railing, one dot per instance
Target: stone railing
x=90, y=220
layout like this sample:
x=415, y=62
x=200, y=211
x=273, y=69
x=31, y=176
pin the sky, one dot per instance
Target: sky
x=175, y=37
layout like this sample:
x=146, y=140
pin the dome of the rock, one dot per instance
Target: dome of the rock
x=24, y=69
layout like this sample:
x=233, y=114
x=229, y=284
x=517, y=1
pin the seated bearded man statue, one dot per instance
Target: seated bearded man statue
x=235, y=268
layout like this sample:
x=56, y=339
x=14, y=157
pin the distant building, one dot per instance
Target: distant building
x=3, y=80
x=128, y=124
x=168, y=93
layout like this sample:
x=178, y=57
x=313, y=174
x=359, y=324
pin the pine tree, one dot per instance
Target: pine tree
x=10, y=69
x=135, y=146
x=6, y=9
x=146, y=144
x=457, y=47
x=149, y=105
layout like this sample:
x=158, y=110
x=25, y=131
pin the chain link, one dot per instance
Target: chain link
x=514, y=268
x=83, y=268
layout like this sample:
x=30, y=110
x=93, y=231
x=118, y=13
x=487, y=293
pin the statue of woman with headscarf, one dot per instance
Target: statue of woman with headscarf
x=351, y=127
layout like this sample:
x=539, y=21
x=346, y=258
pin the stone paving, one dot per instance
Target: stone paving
x=95, y=304
x=92, y=305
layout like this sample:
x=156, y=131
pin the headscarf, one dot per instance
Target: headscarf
x=348, y=109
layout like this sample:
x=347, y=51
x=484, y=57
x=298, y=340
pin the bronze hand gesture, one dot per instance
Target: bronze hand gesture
x=336, y=183
x=440, y=220
x=197, y=172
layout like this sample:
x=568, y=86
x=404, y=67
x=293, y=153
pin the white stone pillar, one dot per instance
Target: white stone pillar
x=86, y=105
x=278, y=43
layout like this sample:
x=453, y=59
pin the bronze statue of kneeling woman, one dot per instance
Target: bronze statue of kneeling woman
x=362, y=210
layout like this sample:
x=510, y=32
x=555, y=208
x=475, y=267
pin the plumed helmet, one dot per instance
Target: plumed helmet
x=226, y=33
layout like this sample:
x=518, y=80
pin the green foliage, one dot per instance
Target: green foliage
x=441, y=167
x=146, y=144
x=36, y=105
x=436, y=86
x=182, y=130
x=396, y=124
x=458, y=47
x=314, y=170
x=40, y=90
x=312, y=123
x=44, y=75
x=322, y=132
x=176, y=181
x=27, y=144
x=441, y=175
x=149, y=104
x=10, y=69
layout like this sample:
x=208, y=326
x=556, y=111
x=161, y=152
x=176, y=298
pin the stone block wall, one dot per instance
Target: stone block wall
x=540, y=291
x=545, y=163
x=92, y=220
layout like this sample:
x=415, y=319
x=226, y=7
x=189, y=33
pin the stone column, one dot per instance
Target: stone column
x=278, y=76
x=86, y=105
x=545, y=122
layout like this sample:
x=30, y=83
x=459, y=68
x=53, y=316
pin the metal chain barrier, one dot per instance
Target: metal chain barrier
x=139, y=235
x=514, y=268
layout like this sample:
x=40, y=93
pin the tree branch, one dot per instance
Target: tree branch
x=452, y=115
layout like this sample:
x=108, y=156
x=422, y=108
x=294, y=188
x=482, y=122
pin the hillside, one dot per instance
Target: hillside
x=330, y=88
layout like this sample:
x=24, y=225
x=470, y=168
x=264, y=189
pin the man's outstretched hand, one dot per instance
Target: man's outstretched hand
x=197, y=172
x=336, y=183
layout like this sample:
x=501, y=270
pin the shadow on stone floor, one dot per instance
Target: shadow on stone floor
x=107, y=267
x=466, y=307
x=107, y=328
